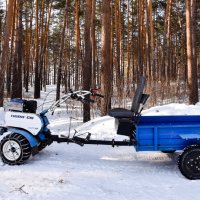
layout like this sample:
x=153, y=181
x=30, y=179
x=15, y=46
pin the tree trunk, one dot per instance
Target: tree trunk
x=140, y=37
x=77, y=26
x=128, y=46
x=148, y=41
x=10, y=64
x=27, y=52
x=61, y=53
x=20, y=49
x=17, y=65
x=194, y=25
x=118, y=49
x=166, y=42
x=106, y=80
x=45, y=47
x=4, y=57
x=37, y=69
x=152, y=50
x=93, y=44
x=192, y=70
x=87, y=65
x=15, y=55
x=41, y=45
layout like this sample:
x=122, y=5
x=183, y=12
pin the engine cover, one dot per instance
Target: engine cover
x=27, y=121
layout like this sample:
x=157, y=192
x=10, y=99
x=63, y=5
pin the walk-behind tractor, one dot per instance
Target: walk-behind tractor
x=26, y=133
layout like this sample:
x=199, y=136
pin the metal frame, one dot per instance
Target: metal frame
x=82, y=141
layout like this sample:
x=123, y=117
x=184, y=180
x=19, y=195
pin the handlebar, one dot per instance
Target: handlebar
x=80, y=95
x=94, y=93
x=99, y=95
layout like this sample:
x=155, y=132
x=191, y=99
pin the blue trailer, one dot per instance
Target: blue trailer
x=161, y=133
x=169, y=134
x=27, y=133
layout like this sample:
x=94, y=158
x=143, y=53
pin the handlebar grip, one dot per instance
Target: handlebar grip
x=99, y=95
x=70, y=90
x=74, y=96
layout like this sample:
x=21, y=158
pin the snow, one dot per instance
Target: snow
x=2, y=115
x=101, y=128
x=64, y=171
x=173, y=109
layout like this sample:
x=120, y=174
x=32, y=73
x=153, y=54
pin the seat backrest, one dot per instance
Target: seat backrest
x=138, y=96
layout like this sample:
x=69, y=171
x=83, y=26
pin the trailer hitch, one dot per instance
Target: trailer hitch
x=74, y=139
x=82, y=141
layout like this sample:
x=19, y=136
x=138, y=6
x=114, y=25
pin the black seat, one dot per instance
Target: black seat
x=127, y=119
x=139, y=98
x=121, y=113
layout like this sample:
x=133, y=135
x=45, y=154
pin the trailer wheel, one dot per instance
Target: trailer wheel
x=189, y=162
x=15, y=149
x=168, y=151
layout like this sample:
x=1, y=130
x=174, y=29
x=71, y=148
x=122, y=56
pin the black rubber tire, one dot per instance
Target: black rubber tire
x=24, y=145
x=189, y=162
x=168, y=151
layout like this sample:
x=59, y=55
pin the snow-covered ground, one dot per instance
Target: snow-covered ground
x=72, y=172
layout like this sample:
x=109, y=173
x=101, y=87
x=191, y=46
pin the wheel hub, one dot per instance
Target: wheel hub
x=11, y=150
x=193, y=164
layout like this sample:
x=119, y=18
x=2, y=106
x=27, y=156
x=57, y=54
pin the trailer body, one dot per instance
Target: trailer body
x=167, y=133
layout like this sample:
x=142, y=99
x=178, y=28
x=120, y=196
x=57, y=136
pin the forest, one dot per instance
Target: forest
x=105, y=44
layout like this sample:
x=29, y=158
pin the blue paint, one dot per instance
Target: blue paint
x=41, y=136
x=162, y=133
x=32, y=140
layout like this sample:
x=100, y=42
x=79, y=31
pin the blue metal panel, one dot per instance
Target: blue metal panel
x=167, y=132
x=156, y=138
x=45, y=120
x=41, y=136
x=190, y=136
x=167, y=120
x=32, y=140
x=18, y=100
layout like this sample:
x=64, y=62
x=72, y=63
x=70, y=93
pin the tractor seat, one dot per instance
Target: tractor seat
x=139, y=100
x=121, y=113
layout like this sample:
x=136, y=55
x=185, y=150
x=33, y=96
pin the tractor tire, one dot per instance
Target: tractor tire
x=15, y=149
x=169, y=151
x=189, y=162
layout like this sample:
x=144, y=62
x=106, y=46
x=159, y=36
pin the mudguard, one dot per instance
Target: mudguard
x=32, y=140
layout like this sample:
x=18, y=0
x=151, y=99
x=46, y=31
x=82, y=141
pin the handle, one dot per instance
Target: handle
x=94, y=93
x=99, y=95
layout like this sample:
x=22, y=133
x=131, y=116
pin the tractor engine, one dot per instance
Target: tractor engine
x=22, y=105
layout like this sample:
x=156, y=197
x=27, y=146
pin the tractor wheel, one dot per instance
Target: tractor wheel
x=168, y=151
x=15, y=149
x=189, y=162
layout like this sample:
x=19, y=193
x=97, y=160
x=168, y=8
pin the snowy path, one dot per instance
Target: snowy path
x=96, y=172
